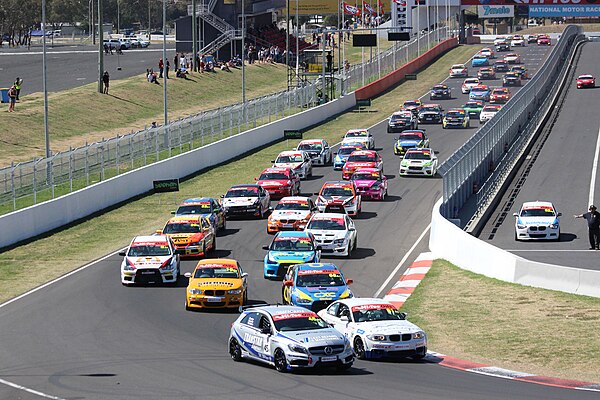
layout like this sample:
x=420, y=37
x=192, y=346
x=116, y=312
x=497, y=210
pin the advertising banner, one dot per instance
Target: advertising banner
x=402, y=15
x=527, y=2
x=315, y=7
x=495, y=11
x=583, y=10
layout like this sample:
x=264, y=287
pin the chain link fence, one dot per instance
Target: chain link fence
x=41, y=179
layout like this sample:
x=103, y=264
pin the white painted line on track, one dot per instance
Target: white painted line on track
x=60, y=278
x=594, y=171
x=26, y=389
x=548, y=251
x=395, y=271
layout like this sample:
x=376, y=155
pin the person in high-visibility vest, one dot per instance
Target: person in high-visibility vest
x=18, y=83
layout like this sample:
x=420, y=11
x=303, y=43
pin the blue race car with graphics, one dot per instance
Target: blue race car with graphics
x=480, y=92
x=410, y=140
x=480, y=60
x=289, y=248
x=205, y=207
x=315, y=286
x=341, y=156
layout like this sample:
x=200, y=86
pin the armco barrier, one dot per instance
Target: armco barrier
x=451, y=243
x=35, y=220
x=381, y=85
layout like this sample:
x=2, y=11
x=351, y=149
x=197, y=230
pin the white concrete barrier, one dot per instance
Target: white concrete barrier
x=41, y=218
x=448, y=241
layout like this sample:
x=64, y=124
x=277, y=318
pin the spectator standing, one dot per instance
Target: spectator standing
x=12, y=97
x=329, y=59
x=18, y=83
x=167, y=69
x=161, y=67
x=176, y=61
x=593, y=220
x=105, y=80
x=182, y=61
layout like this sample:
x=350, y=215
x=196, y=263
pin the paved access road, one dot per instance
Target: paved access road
x=88, y=337
x=564, y=173
x=71, y=66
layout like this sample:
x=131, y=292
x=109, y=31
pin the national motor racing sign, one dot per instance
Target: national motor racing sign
x=495, y=11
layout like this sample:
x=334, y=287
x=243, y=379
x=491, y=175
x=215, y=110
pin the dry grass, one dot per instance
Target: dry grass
x=559, y=28
x=521, y=328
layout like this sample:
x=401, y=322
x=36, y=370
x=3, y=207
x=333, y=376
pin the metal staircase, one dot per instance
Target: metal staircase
x=228, y=32
x=220, y=41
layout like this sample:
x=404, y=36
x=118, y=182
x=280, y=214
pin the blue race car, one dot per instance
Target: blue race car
x=480, y=61
x=289, y=248
x=315, y=286
x=410, y=140
x=480, y=92
x=206, y=207
x=344, y=152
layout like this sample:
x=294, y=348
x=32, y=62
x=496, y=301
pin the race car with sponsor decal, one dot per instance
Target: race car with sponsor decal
x=458, y=71
x=511, y=79
x=440, y=91
x=488, y=112
x=419, y=162
x=335, y=233
x=431, y=114
x=518, y=41
x=341, y=156
x=206, y=207
x=500, y=66
x=371, y=183
x=297, y=160
x=479, y=60
x=486, y=73
x=502, y=45
x=291, y=214
x=362, y=159
x=288, y=338
x=537, y=220
x=473, y=108
x=521, y=70
x=318, y=150
x=340, y=193
x=512, y=58
x=469, y=84
x=193, y=235
x=314, y=286
x=532, y=38
x=488, y=52
x=376, y=328
x=480, y=92
x=412, y=105
x=585, y=81
x=241, y=200
x=409, y=140
x=359, y=136
x=279, y=182
x=456, y=118
x=544, y=40
x=216, y=283
x=402, y=120
x=289, y=248
x=500, y=95
x=150, y=259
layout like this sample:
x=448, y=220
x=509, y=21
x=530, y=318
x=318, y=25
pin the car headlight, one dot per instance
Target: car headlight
x=553, y=226
x=297, y=349
x=419, y=335
x=195, y=291
x=347, y=294
x=404, y=163
x=376, y=338
x=376, y=185
x=521, y=226
x=303, y=301
x=347, y=345
x=234, y=291
x=197, y=243
x=339, y=241
x=271, y=260
x=170, y=266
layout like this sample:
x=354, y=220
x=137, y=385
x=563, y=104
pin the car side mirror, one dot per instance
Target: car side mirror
x=559, y=215
x=335, y=154
x=255, y=179
x=122, y=253
x=265, y=247
x=316, y=193
x=344, y=318
x=515, y=214
x=158, y=231
x=349, y=281
x=188, y=274
x=273, y=161
x=244, y=275
x=288, y=283
x=172, y=212
x=265, y=331
x=404, y=315
x=352, y=228
x=222, y=196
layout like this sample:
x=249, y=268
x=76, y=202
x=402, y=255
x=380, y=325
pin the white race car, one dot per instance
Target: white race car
x=318, y=150
x=488, y=52
x=251, y=200
x=458, y=71
x=359, y=136
x=469, y=84
x=518, y=40
x=334, y=233
x=297, y=160
x=537, y=220
x=488, y=112
x=420, y=161
x=376, y=328
x=150, y=259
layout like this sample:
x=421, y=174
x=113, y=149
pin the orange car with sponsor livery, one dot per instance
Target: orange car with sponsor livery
x=342, y=193
x=193, y=235
x=291, y=214
x=216, y=283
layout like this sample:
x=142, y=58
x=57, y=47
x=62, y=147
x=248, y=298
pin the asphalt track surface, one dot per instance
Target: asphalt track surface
x=88, y=337
x=70, y=66
x=561, y=174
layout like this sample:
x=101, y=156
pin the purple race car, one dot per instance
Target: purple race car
x=371, y=183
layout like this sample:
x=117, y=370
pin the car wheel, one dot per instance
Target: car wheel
x=418, y=357
x=516, y=237
x=261, y=213
x=344, y=367
x=359, y=349
x=224, y=226
x=280, y=361
x=245, y=299
x=214, y=245
x=187, y=307
x=235, y=351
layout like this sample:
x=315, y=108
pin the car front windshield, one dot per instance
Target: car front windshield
x=337, y=191
x=408, y=136
x=538, y=212
x=202, y=208
x=322, y=279
x=294, y=158
x=405, y=118
x=440, y=88
x=273, y=176
x=185, y=227
x=149, y=250
x=299, y=206
x=376, y=312
x=430, y=109
x=356, y=134
x=412, y=103
x=499, y=92
x=217, y=272
x=344, y=151
x=292, y=244
x=310, y=146
x=366, y=176
x=490, y=109
x=456, y=115
x=417, y=155
x=242, y=192
x=472, y=105
x=362, y=158
x=310, y=321
x=329, y=224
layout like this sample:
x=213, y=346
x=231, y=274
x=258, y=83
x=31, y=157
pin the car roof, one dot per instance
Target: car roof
x=420, y=150
x=311, y=141
x=276, y=169
x=337, y=183
x=357, y=130
x=250, y=185
x=364, y=153
x=150, y=239
x=291, y=152
x=537, y=204
x=196, y=200
x=403, y=112
x=186, y=218
x=369, y=170
x=458, y=66
x=294, y=198
x=360, y=301
x=295, y=234
x=279, y=309
x=352, y=144
x=317, y=266
x=220, y=261
x=411, y=132
x=327, y=215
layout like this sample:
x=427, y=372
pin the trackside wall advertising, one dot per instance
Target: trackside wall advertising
x=584, y=10
x=495, y=11
x=528, y=2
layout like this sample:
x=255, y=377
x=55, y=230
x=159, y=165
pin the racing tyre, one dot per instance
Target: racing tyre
x=280, y=361
x=214, y=246
x=516, y=238
x=344, y=367
x=224, y=226
x=245, y=299
x=359, y=348
x=235, y=351
x=261, y=214
x=418, y=357
x=187, y=307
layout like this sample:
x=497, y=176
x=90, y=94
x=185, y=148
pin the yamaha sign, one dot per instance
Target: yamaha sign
x=495, y=11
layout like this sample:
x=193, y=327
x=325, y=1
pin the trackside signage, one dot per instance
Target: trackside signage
x=166, y=185
x=495, y=11
x=584, y=10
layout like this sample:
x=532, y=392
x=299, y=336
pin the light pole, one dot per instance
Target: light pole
x=118, y=16
x=194, y=37
x=46, y=132
x=100, y=47
x=243, y=55
x=164, y=53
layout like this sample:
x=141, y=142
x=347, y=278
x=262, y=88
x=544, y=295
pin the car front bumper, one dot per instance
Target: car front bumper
x=148, y=275
x=199, y=301
x=537, y=233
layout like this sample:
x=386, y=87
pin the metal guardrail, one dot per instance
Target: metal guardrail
x=496, y=145
x=41, y=179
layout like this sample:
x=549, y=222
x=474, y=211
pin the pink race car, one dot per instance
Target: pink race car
x=371, y=183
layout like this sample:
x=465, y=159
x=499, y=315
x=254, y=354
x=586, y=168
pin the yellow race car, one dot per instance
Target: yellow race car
x=216, y=283
x=193, y=235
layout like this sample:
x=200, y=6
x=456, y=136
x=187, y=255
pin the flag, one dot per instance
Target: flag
x=381, y=9
x=368, y=8
x=350, y=9
x=400, y=2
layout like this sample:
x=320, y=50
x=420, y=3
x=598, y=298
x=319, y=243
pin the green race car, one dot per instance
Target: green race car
x=473, y=108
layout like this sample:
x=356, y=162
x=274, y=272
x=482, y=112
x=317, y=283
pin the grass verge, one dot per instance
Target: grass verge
x=32, y=264
x=507, y=325
x=559, y=28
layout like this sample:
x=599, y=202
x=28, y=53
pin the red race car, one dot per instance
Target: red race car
x=586, y=81
x=543, y=40
x=500, y=95
x=361, y=159
x=279, y=182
